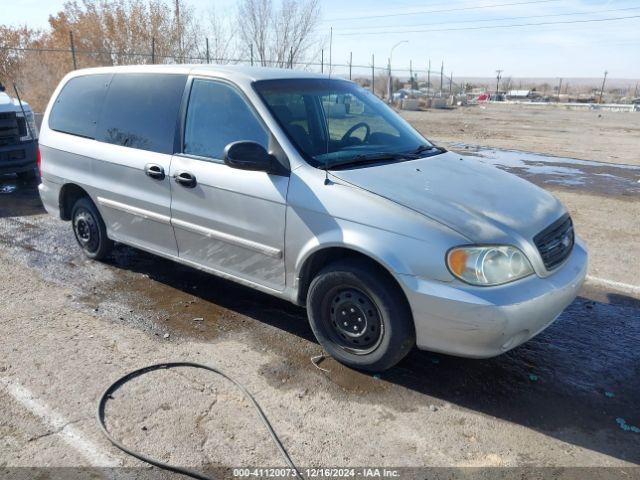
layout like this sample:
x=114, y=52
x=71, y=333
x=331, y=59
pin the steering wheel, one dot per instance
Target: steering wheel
x=355, y=127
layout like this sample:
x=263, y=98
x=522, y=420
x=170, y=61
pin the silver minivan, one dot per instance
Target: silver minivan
x=311, y=189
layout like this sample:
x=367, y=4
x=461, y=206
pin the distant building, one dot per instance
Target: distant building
x=522, y=94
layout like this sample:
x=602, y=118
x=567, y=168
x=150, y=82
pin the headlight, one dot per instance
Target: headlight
x=490, y=265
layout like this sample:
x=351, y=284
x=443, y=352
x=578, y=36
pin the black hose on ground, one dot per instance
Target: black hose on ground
x=107, y=395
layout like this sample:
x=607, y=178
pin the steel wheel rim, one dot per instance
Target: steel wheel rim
x=353, y=320
x=86, y=230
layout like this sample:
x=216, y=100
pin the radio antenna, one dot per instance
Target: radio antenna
x=26, y=121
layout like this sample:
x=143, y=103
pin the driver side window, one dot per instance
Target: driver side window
x=345, y=112
x=216, y=116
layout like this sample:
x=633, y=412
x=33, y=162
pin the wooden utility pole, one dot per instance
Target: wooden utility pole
x=441, y=76
x=373, y=74
x=411, y=73
x=429, y=76
x=330, y=49
x=179, y=31
x=559, y=89
x=498, y=77
x=602, y=88
x=73, y=50
x=389, y=80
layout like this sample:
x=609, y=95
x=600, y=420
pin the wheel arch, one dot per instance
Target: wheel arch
x=69, y=195
x=320, y=257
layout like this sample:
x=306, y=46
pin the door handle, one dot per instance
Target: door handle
x=154, y=171
x=186, y=179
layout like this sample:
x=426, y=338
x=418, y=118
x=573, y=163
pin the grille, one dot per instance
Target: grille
x=9, y=129
x=555, y=242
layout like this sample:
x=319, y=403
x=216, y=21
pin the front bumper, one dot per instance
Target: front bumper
x=482, y=322
x=17, y=158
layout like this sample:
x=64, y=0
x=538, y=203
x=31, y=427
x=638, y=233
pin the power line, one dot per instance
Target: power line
x=478, y=7
x=372, y=27
x=487, y=27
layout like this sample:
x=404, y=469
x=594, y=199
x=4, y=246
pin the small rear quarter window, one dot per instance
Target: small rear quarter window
x=77, y=108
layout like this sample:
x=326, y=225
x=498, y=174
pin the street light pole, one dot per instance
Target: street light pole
x=389, y=84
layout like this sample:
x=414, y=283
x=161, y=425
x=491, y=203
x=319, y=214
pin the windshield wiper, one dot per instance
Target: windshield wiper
x=366, y=158
x=426, y=148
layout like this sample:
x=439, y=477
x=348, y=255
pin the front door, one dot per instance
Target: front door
x=228, y=220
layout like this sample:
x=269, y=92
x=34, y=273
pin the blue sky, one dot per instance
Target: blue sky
x=561, y=50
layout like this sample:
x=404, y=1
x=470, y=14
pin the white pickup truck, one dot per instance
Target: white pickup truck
x=18, y=137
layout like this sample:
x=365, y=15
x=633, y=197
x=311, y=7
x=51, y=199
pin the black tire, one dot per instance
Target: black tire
x=89, y=229
x=370, y=303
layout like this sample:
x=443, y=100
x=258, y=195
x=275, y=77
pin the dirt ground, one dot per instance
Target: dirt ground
x=70, y=327
x=589, y=135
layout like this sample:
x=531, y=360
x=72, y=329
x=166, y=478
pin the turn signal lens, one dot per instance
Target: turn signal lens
x=458, y=261
x=488, y=265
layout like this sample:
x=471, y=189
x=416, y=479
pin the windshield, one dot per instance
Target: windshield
x=335, y=122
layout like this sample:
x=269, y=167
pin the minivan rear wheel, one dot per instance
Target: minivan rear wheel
x=360, y=316
x=89, y=229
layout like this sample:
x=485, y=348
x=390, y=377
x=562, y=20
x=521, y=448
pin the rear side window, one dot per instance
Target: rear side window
x=216, y=116
x=141, y=111
x=77, y=108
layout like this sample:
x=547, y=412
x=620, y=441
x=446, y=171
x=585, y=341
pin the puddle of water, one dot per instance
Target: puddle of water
x=544, y=170
x=19, y=198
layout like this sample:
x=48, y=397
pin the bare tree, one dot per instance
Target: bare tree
x=11, y=60
x=106, y=32
x=222, y=33
x=254, y=20
x=281, y=35
x=121, y=30
x=295, y=26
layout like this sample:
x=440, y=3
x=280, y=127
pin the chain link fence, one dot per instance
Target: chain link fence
x=49, y=65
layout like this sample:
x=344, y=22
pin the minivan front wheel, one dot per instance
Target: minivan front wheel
x=360, y=316
x=89, y=229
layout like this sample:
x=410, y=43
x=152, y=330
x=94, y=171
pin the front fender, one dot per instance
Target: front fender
x=323, y=215
x=313, y=232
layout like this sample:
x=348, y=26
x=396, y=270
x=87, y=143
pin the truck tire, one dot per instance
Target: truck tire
x=360, y=316
x=89, y=229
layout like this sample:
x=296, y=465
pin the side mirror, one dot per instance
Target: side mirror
x=247, y=155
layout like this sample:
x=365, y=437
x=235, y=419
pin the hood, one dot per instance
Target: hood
x=8, y=104
x=481, y=202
